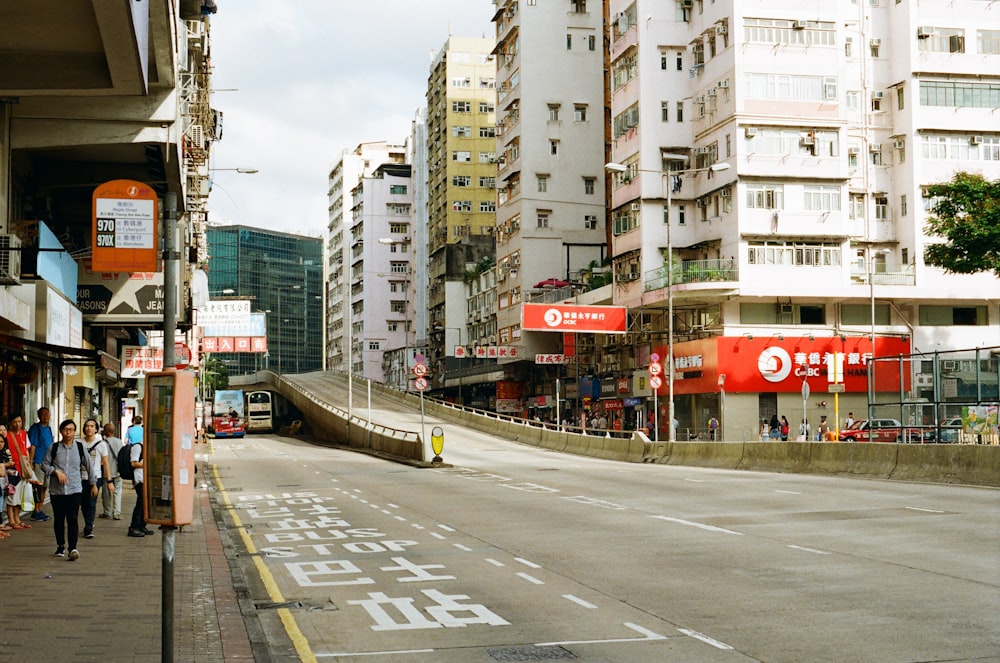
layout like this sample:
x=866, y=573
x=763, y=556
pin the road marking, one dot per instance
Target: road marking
x=788, y=492
x=400, y=519
x=812, y=550
x=393, y=506
x=416, y=526
x=710, y=528
x=442, y=537
x=372, y=506
x=704, y=638
x=446, y=528
x=527, y=563
x=461, y=547
x=388, y=652
x=579, y=601
x=648, y=635
x=695, y=480
x=494, y=562
x=914, y=508
x=530, y=578
x=387, y=512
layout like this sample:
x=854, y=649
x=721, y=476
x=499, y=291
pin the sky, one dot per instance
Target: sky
x=300, y=81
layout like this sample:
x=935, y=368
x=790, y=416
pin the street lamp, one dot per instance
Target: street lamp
x=714, y=168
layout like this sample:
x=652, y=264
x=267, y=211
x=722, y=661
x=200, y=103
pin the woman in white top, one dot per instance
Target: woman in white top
x=97, y=448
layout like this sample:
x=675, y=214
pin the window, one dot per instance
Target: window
x=624, y=220
x=965, y=93
x=397, y=307
x=861, y=314
x=397, y=267
x=487, y=157
x=680, y=111
x=765, y=196
x=462, y=156
x=786, y=87
x=397, y=189
x=392, y=326
x=881, y=208
x=487, y=182
x=874, y=46
x=848, y=47
x=591, y=43
x=625, y=120
x=487, y=206
x=902, y=205
x=942, y=40
x=953, y=315
x=785, y=31
x=664, y=60
x=397, y=209
x=589, y=185
x=461, y=107
x=664, y=111
x=543, y=183
x=542, y=219
x=900, y=97
x=579, y=112
x=553, y=112
x=789, y=314
x=578, y=6
x=461, y=180
x=680, y=61
x=590, y=221
x=988, y=42
x=461, y=82
x=374, y=345
x=485, y=107
x=461, y=206
x=794, y=253
x=856, y=206
x=822, y=198
x=487, y=132
x=554, y=148
x=569, y=42
x=399, y=228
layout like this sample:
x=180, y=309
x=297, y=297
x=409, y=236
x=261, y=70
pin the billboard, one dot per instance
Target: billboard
x=574, y=318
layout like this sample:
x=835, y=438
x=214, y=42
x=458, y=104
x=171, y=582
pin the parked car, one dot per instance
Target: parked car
x=950, y=429
x=880, y=430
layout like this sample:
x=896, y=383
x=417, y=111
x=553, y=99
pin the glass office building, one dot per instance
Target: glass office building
x=281, y=274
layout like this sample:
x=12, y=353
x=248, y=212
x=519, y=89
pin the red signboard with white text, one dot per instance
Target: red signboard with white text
x=772, y=364
x=573, y=318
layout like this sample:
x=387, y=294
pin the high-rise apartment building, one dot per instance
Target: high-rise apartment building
x=461, y=188
x=343, y=177
x=551, y=154
x=832, y=120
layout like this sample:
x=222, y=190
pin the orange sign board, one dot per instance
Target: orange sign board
x=574, y=318
x=125, y=237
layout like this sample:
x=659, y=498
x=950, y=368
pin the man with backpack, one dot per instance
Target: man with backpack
x=137, y=528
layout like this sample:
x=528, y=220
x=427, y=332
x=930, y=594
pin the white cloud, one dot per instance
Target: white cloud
x=313, y=78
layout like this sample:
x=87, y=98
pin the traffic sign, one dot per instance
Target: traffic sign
x=420, y=383
x=655, y=369
x=655, y=382
x=654, y=358
x=420, y=370
x=835, y=388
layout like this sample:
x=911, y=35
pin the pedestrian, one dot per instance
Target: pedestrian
x=849, y=421
x=98, y=450
x=22, y=497
x=774, y=428
x=137, y=527
x=6, y=474
x=804, y=430
x=111, y=496
x=784, y=429
x=65, y=465
x=713, y=428
x=824, y=428
x=40, y=437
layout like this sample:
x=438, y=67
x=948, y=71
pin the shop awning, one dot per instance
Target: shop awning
x=57, y=354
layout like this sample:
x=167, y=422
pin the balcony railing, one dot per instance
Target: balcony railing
x=693, y=271
x=885, y=274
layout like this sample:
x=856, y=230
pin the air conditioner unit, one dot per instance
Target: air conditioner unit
x=10, y=259
x=687, y=4
x=721, y=29
x=899, y=144
x=703, y=202
x=924, y=33
x=726, y=193
x=798, y=25
x=711, y=92
x=635, y=207
x=853, y=150
x=750, y=132
x=808, y=139
x=724, y=84
x=875, y=147
x=878, y=95
x=925, y=380
x=949, y=365
x=699, y=101
x=786, y=309
x=876, y=43
x=196, y=135
x=701, y=150
x=976, y=140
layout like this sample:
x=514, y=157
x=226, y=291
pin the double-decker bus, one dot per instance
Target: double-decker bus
x=260, y=412
x=227, y=413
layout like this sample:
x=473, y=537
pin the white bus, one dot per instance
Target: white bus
x=260, y=412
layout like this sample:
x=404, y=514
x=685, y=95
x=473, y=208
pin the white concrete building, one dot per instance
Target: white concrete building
x=551, y=151
x=831, y=119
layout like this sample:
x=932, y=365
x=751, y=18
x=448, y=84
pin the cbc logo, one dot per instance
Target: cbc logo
x=774, y=364
x=553, y=317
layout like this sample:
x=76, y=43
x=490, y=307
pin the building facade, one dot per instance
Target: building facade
x=281, y=274
x=831, y=122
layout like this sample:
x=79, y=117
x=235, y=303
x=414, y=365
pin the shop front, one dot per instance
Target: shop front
x=743, y=381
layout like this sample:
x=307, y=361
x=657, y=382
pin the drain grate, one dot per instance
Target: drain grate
x=270, y=605
x=530, y=653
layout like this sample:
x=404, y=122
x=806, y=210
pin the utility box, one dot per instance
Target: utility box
x=168, y=455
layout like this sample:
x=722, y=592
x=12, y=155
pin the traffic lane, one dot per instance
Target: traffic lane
x=318, y=572
x=744, y=496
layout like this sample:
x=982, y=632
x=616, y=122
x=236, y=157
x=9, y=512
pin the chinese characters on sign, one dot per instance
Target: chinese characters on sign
x=124, y=227
x=495, y=352
x=574, y=318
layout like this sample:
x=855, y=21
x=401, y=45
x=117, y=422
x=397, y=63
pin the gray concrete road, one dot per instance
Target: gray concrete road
x=516, y=553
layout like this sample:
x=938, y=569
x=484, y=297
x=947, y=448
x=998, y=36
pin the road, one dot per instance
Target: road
x=513, y=553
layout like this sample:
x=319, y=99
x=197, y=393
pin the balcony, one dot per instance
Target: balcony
x=885, y=274
x=693, y=271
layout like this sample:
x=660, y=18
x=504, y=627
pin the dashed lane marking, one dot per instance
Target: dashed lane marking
x=527, y=563
x=810, y=550
x=530, y=578
x=646, y=633
x=577, y=600
x=704, y=638
x=708, y=528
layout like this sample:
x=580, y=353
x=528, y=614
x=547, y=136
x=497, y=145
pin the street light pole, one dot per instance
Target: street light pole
x=714, y=168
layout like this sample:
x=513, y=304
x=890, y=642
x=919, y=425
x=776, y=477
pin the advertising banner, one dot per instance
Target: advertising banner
x=574, y=318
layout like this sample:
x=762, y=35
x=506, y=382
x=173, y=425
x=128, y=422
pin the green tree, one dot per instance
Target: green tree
x=966, y=213
x=216, y=375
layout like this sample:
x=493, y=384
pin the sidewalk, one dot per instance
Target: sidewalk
x=106, y=605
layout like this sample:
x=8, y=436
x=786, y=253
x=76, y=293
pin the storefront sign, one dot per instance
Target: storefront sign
x=120, y=297
x=552, y=359
x=573, y=318
x=234, y=344
x=496, y=352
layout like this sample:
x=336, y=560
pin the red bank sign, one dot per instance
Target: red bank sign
x=573, y=318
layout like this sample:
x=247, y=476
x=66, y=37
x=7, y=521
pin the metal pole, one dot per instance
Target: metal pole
x=171, y=280
x=670, y=307
x=558, y=418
